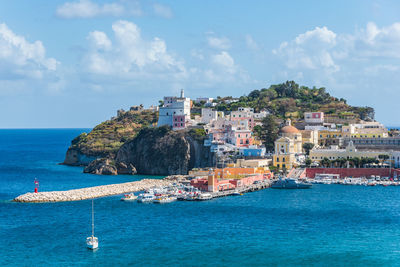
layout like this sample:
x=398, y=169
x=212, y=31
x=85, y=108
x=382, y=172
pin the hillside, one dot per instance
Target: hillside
x=291, y=100
x=282, y=100
x=107, y=137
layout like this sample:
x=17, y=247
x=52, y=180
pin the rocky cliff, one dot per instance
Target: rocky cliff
x=161, y=151
x=107, y=137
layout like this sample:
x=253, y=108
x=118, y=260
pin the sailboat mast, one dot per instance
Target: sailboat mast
x=92, y=217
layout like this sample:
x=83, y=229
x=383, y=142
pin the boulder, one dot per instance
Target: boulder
x=101, y=166
x=126, y=168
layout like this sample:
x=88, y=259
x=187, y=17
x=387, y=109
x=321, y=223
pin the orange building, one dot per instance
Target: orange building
x=230, y=178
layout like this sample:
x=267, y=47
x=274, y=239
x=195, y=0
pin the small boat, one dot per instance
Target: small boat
x=145, y=198
x=92, y=242
x=290, y=183
x=129, y=197
x=204, y=196
x=237, y=193
x=164, y=199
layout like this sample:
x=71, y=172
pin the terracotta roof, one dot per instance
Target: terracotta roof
x=289, y=129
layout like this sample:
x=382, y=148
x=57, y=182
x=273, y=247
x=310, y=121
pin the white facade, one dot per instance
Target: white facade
x=174, y=106
x=314, y=117
x=208, y=115
x=204, y=99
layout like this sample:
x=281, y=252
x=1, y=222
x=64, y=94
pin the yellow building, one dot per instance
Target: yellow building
x=309, y=136
x=287, y=146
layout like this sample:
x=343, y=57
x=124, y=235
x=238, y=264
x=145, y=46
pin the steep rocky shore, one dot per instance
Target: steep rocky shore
x=161, y=151
x=154, y=151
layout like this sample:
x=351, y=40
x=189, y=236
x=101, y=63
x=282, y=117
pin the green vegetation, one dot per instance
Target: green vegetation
x=291, y=100
x=107, y=137
x=268, y=132
x=198, y=134
x=307, y=147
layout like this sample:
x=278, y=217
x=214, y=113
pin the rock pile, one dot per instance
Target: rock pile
x=92, y=192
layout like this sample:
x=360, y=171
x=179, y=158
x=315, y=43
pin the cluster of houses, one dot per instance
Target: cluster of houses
x=228, y=133
x=233, y=134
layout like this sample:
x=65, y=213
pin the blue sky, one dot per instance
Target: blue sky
x=74, y=63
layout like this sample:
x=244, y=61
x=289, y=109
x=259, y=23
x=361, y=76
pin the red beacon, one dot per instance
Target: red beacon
x=36, y=185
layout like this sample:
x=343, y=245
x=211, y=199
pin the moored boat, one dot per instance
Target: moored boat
x=290, y=183
x=145, y=198
x=164, y=199
x=129, y=197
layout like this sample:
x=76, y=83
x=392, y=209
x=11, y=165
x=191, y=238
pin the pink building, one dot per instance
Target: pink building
x=178, y=122
x=241, y=138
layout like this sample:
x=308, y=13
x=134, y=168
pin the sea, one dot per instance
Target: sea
x=328, y=225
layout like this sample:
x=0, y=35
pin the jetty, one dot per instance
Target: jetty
x=92, y=192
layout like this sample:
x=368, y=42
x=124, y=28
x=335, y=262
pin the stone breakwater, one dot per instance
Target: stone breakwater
x=92, y=192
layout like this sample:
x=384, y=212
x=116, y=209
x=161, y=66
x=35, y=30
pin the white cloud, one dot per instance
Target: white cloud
x=250, y=43
x=310, y=50
x=225, y=61
x=89, y=9
x=162, y=11
x=130, y=56
x=99, y=40
x=222, y=43
x=22, y=59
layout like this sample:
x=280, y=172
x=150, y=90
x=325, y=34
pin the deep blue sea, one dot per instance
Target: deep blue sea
x=329, y=225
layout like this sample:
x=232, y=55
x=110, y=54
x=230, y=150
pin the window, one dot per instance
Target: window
x=181, y=124
x=277, y=165
x=277, y=159
x=283, y=165
x=181, y=119
x=283, y=159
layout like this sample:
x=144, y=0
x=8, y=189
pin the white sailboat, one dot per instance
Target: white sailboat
x=92, y=242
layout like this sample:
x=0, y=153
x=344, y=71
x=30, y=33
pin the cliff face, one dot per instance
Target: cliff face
x=107, y=137
x=161, y=151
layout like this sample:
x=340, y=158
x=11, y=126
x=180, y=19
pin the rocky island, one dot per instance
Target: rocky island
x=132, y=143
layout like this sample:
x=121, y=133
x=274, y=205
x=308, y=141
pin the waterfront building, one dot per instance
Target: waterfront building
x=230, y=178
x=287, y=147
x=334, y=152
x=375, y=143
x=175, y=112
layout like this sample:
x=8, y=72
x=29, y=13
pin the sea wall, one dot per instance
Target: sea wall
x=353, y=172
x=92, y=192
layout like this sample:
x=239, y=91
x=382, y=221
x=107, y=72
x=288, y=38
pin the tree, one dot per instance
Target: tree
x=307, y=147
x=383, y=157
x=325, y=162
x=308, y=162
x=269, y=132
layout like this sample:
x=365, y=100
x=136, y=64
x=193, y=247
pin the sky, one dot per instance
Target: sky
x=74, y=63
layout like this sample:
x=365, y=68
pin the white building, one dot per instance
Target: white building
x=204, y=99
x=175, y=112
x=208, y=115
x=314, y=117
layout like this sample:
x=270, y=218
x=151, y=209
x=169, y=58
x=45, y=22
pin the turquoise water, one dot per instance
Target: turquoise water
x=329, y=225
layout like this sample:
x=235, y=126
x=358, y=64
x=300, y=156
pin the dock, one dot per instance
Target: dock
x=244, y=189
x=92, y=192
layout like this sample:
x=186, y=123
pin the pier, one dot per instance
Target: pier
x=92, y=192
x=244, y=189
